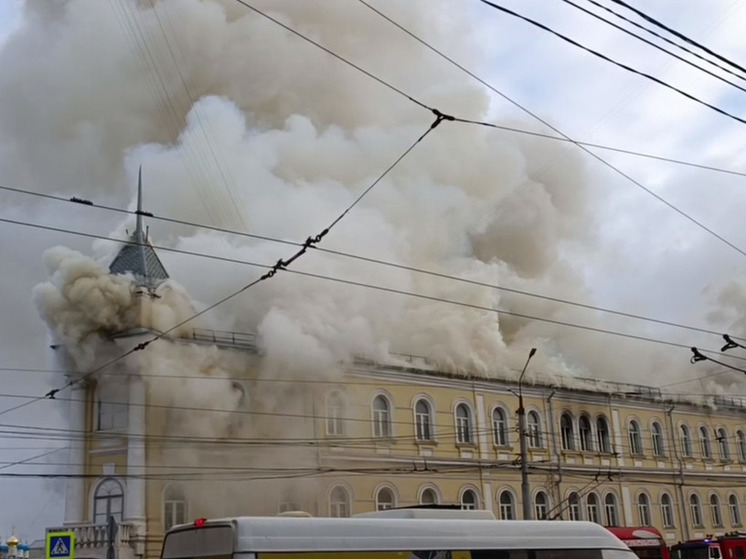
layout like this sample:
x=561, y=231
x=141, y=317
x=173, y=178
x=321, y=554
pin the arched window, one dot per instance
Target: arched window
x=385, y=499
x=381, y=417
x=741, y=442
x=428, y=497
x=695, y=509
x=541, y=505
x=715, y=513
x=704, y=442
x=635, y=440
x=610, y=508
x=573, y=506
x=602, y=435
x=469, y=500
x=339, y=502
x=591, y=507
x=659, y=445
x=335, y=412
x=567, y=432
x=585, y=433
x=535, y=440
x=108, y=500
x=686, y=441
x=507, y=505
x=643, y=509
x=174, y=506
x=500, y=427
x=723, y=447
x=735, y=510
x=463, y=424
x=423, y=420
x=667, y=510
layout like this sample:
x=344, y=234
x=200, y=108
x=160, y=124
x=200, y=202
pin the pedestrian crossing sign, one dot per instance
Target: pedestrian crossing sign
x=60, y=545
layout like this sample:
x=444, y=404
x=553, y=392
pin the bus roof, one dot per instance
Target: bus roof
x=287, y=534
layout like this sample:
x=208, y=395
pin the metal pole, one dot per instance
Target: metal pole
x=522, y=436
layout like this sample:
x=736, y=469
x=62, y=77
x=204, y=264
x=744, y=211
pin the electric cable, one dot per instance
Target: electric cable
x=667, y=40
x=692, y=42
x=652, y=44
x=349, y=282
x=615, y=62
x=377, y=261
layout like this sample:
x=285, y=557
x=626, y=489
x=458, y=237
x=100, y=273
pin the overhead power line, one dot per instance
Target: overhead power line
x=667, y=40
x=373, y=287
x=90, y=204
x=280, y=265
x=681, y=36
x=652, y=44
x=612, y=61
x=581, y=145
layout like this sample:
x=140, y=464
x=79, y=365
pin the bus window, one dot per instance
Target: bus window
x=714, y=552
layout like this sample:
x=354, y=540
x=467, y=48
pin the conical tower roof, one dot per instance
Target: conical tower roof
x=138, y=257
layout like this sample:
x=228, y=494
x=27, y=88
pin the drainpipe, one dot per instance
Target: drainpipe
x=555, y=451
x=681, y=509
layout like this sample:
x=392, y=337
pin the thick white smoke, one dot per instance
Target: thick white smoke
x=239, y=124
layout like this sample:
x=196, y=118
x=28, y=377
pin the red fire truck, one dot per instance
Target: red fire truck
x=646, y=542
x=729, y=546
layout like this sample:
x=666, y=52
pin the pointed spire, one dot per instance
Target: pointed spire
x=139, y=233
x=138, y=257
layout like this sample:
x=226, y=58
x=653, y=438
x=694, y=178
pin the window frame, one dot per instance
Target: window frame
x=611, y=509
x=592, y=508
x=544, y=507
x=685, y=440
x=658, y=438
x=721, y=436
x=510, y=507
x=500, y=427
x=705, y=443
x=567, y=431
x=735, y=519
x=634, y=435
x=385, y=505
x=716, y=512
x=424, y=424
x=464, y=424
x=603, y=435
x=574, y=506
x=335, y=407
x=644, y=512
x=172, y=502
x=695, y=510
x=667, y=511
x=382, y=427
x=109, y=498
x=469, y=490
x=533, y=430
x=335, y=504
x=585, y=433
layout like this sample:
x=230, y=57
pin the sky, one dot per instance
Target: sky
x=239, y=125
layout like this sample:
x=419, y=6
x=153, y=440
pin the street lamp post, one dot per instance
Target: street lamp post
x=522, y=435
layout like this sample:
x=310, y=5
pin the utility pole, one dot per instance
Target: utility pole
x=522, y=436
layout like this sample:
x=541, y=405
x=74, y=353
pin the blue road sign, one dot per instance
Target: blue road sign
x=60, y=545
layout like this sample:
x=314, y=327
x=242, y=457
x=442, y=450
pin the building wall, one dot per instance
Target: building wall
x=345, y=448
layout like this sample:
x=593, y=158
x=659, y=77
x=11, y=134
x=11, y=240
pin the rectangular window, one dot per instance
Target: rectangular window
x=112, y=415
x=423, y=427
x=381, y=428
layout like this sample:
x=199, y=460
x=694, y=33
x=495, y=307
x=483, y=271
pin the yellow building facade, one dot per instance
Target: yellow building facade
x=195, y=424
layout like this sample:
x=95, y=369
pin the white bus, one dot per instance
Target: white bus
x=390, y=538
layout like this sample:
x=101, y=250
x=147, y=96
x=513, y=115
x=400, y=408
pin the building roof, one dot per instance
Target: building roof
x=137, y=256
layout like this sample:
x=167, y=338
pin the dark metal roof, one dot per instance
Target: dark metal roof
x=138, y=257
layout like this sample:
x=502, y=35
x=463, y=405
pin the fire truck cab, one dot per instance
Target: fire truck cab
x=729, y=546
